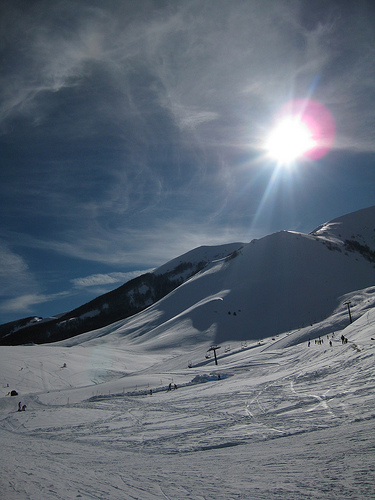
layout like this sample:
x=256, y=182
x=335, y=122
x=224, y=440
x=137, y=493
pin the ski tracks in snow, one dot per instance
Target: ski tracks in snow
x=322, y=400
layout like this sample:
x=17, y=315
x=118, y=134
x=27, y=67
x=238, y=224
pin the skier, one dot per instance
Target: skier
x=19, y=406
x=23, y=407
x=170, y=386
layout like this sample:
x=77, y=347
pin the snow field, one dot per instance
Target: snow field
x=282, y=422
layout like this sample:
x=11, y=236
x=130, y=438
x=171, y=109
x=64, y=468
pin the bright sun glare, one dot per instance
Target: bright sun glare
x=289, y=140
x=304, y=128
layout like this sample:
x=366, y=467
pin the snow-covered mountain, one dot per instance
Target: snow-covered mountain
x=284, y=281
x=279, y=417
x=124, y=301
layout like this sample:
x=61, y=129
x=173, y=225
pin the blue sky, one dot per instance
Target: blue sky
x=132, y=132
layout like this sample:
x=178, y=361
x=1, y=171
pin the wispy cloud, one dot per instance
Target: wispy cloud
x=20, y=288
x=107, y=279
x=193, y=58
x=14, y=273
x=51, y=45
x=23, y=304
x=137, y=247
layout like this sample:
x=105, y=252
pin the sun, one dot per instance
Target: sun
x=304, y=129
x=289, y=140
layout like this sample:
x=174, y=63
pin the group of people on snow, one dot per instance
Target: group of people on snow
x=169, y=388
x=320, y=341
x=21, y=407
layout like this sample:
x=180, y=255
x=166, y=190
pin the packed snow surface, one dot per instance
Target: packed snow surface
x=284, y=421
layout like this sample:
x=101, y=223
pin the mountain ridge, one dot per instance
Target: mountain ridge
x=124, y=301
x=282, y=281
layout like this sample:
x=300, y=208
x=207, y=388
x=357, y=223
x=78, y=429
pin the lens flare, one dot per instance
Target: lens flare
x=303, y=129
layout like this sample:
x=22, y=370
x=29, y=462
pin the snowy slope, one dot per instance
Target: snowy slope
x=282, y=422
x=279, y=283
x=203, y=254
x=123, y=302
x=358, y=226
